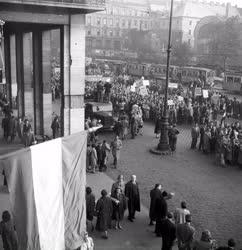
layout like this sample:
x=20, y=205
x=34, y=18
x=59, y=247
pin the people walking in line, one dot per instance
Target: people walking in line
x=104, y=211
x=132, y=193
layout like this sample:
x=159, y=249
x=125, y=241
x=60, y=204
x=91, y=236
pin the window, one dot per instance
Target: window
x=117, y=33
x=98, y=33
x=111, y=11
x=108, y=44
x=129, y=23
x=190, y=32
x=98, y=21
x=89, y=32
x=117, y=45
x=104, y=21
x=99, y=43
x=117, y=22
x=111, y=33
x=123, y=23
x=89, y=20
x=111, y=22
x=104, y=32
x=236, y=80
x=145, y=24
x=230, y=79
x=189, y=41
x=135, y=23
x=89, y=43
x=190, y=23
x=177, y=21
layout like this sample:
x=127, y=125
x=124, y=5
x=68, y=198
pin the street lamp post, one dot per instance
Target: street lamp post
x=163, y=146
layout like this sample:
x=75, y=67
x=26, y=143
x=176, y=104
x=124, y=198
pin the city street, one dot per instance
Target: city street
x=213, y=193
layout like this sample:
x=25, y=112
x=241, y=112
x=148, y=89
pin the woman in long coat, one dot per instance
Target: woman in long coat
x=155, y=194
x=90, y=206
x=104, y=210
x=157, y=126
x=119, y=207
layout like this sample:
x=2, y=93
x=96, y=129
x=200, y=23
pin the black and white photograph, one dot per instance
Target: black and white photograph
x=120, y=124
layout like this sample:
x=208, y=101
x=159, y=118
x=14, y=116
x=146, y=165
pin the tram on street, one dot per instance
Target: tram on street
x=233, y=82
x=190, y=74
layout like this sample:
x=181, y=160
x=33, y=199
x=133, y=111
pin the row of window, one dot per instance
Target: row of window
x=110, y=22
x=108, y=44
x=114, y=10
x=98, y=32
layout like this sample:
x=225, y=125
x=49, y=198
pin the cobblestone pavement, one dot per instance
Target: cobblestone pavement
x=213, y=193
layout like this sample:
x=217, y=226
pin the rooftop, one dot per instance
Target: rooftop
x=63, y=4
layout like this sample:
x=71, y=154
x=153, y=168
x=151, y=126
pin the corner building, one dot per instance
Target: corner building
x=29, y=30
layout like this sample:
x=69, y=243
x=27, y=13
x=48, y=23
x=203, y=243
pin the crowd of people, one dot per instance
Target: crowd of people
x=174, y=227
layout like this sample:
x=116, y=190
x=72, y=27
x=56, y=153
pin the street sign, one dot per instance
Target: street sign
x=143, y=91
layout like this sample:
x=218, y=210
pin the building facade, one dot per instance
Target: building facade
x=29, y=29
x=105, y=31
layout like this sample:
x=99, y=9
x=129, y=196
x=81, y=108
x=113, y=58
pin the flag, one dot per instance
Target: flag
x=46, y=185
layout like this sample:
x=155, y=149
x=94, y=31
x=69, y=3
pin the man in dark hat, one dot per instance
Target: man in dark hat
x=185, y=234
x=231, y=245
x=168, y=232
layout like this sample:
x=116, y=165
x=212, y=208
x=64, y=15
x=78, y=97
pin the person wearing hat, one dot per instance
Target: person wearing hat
x=185, y=234
x=104, y=211
x=168, y=232
x=205, y=243
x=231, y=245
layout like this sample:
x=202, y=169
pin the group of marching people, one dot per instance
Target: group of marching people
x=110, y=208
x=220, y=138
x=176, y=226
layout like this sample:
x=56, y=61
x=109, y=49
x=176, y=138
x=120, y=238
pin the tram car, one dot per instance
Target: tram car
x=233, y=81
x=187, y=75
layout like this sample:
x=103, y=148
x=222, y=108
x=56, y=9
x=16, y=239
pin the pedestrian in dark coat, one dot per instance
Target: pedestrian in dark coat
x=8, y=232
x=55, y=126
x=119, y=207
x=168, y=232
x=155, y=194
x=161, y=210
x=12, y=128
x=132, y=193
x=195, y=134
x=157, y=126
x=172, y=134
x=104, y=210
x=5, y=127
x=90, y=206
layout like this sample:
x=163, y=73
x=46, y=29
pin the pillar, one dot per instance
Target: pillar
x=28, y=76
x=74, y=74
x=46, y=81
x=13, y=74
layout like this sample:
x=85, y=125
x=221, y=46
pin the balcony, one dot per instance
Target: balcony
x=65, y=4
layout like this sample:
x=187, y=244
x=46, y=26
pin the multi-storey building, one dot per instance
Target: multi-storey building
x=105, y=30
x=28, y=32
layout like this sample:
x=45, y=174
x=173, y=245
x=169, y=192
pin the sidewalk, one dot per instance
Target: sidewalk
x=134, y=236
